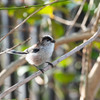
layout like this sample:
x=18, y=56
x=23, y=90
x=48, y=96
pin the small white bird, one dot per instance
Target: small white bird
x=38, y=53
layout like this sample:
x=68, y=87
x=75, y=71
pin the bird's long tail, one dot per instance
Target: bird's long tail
x=16, y=52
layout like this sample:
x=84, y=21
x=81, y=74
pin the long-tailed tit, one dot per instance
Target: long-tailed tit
x=38, y=53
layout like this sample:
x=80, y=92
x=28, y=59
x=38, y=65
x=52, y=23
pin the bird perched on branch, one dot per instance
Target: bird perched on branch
x=38, y=53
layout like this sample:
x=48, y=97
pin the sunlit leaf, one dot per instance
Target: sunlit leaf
x=46, y=10
x=11, y=12
x=96, y=44
x=31, y=10
x=66, y=62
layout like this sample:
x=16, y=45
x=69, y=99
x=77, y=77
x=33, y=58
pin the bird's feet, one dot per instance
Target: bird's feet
x=50, y=64
x=40, y=69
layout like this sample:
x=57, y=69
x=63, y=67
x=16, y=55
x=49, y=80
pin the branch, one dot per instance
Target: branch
x=77, y=15
x=12, y=67
x=15, y=46
x=25, y=7
x=48, y=67
x=83, y=25
x=93, y=81
x=25, y=20
x=64, y=21
x=73, y=38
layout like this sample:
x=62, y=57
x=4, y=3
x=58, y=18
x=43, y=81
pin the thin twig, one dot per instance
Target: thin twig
x=15, y=46
x=97, y=18
x=64, y=21
x=87, y=14
x=25, y=20
x=76, y=17
x=48, y=67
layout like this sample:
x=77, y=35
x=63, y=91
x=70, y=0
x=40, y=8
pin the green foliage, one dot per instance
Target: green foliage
x=66, y=62
x=86, y=8
x=94, y=54
x=57, y=29
x=62, y=3
x=64, y=78
x=96, y=44
x=46, y=10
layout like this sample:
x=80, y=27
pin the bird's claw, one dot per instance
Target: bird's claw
x=50, y=64
x=41, y=70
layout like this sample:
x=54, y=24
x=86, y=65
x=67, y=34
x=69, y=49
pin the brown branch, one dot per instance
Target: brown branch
x=66, y=22
x=12, y=67
x=91, y=2
x=93, y=81
x=74, y=38
x=96, y=19
x=25, y=20
x=15, y=46
x=77, y=15
x=48, y=67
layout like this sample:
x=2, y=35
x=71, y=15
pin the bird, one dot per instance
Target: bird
x=39, y=53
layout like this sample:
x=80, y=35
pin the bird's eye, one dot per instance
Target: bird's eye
x=47, y=40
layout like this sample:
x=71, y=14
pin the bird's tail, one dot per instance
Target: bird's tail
x=16, y=52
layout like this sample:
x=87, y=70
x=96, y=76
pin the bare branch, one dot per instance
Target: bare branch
x=12, y=67
x=91, y=2
x=48, y=67
x=74, y=38
x=97, y=18
x=93, y=81
x=77, y=15
x=66, y=22
x=15, y=46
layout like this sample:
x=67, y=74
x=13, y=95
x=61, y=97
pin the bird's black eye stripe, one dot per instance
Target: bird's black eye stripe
x=46, y=38
x=35, y=50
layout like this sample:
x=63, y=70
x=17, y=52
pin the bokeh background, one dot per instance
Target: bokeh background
x=69, y=27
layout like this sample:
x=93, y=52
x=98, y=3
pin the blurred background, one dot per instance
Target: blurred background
x=70, y=23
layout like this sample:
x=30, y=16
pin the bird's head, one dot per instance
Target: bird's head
x=47, y=39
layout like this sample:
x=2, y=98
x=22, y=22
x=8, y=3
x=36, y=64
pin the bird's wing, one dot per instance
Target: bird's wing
x=33, y=49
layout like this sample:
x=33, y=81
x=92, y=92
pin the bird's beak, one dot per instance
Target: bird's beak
x=53, y=41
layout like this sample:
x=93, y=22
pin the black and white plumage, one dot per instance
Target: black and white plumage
x=38, y=53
